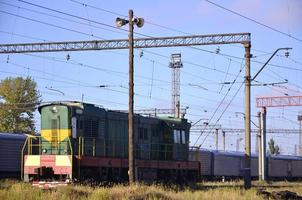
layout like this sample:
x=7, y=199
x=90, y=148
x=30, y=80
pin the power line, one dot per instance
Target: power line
x=49, y=24
x=76, y=83
x=222, y=113
x=257, y=22
x=154, y=24
x=223, y=97
x=71, y=15
x=37, y=77
x=120, y=29
x=119, y=14
x=103, y=69
x=20, y=35
x=82, y=18
x=144, y=58
x=100, y=69
x=93, y=36
x=220, y=105
x=290, y=68
x=62, y=18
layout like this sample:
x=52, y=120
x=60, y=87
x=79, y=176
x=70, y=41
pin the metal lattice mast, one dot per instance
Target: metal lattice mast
x=175, y=65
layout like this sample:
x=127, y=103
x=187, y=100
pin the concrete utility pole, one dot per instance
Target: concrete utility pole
x=296, y=153
x=259, y=147
x=216, y=134
x=300, y=135
x=247, y=123
x=263, y=146
x=223, y=140
x=238, y=143
x=256, y=144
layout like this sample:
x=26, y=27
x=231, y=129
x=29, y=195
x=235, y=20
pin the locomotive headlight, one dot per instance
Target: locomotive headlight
x=44, y=150
x=54, y=109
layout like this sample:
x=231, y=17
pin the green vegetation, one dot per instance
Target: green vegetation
x=208, y=190
x=18, y=100
x=273, y=149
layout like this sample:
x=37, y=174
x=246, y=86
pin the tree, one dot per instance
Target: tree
x=273, y=149
x=19, y=98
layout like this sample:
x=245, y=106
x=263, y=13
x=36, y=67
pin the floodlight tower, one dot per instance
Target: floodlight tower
x=175, y=64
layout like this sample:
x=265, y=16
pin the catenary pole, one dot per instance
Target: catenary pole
x=247, y=123
x=259, y=146
x=263, y=146
x=216, y=134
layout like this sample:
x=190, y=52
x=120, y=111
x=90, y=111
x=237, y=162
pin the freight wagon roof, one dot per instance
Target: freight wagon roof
x=240, y=154
x=286, y=157
x=231, y=153
x=12, y=136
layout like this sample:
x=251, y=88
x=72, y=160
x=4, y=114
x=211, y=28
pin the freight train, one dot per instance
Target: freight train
x=219, y=165
x=10, y=154
x=81, y=141
x=84, y=141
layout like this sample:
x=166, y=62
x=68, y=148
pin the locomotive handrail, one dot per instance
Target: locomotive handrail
x=70, y=146
x=22, y=159
x=35, y=148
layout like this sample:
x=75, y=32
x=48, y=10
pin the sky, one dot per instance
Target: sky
x=205, y=68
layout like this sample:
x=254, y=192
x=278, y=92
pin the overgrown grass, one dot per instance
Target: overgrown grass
x=15, y=190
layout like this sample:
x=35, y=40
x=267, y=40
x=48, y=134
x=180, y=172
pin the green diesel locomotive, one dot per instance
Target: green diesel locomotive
x=84, y=141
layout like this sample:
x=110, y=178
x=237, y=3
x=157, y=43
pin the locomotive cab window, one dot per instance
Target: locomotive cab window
x=176, y=136
x=183, y=137
x=179, y=136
